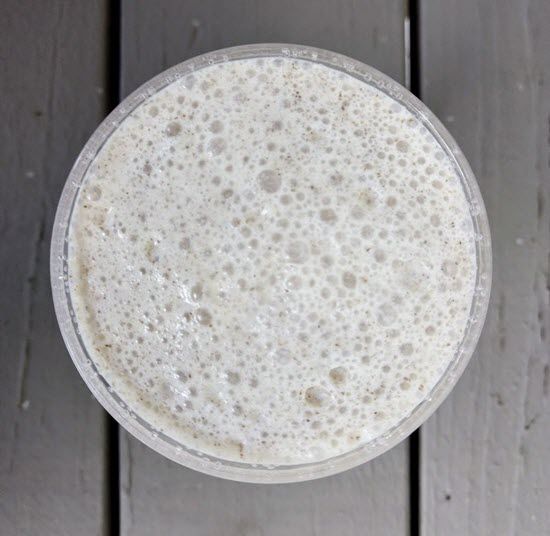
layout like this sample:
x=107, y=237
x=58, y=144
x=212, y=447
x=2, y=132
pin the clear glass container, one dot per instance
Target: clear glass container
x=167, y=446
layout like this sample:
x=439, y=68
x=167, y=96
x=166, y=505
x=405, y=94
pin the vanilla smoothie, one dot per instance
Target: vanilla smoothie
x=271, y=261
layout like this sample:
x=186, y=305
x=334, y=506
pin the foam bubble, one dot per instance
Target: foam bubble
x=269, y=180
x=173, y=129
x=328, y=215
x=297, y=252
x=349, y=280
x=317, y=396
x=338, y=375
x=217, y=146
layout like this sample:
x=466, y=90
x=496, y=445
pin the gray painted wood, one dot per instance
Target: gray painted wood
x=157, y=495
x=486, y=452
x=157, y=35
x=51, y=430
x=160, y=497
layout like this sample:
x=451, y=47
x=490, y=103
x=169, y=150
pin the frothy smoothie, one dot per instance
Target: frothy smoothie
x=271, y=261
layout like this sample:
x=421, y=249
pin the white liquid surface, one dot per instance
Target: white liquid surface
x=271, y=261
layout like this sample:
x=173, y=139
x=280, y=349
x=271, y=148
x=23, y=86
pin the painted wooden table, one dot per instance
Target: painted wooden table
x=479, y=466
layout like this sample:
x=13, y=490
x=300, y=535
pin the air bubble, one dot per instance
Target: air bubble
x=282, y=356
x=357, y=213
x=386, y=314
x=297, y=252
x=203, y=317
x=349, y=280
x=152, y=252
x=367, y=197
x=217, y=146
x=173, y=129
x=328, y=215
x=269, y=181
x=402, y=146
x=379, y=255
x=216, y=127
x=449, y=268
x=317, y=396
x=196, y=292
x=294, y=282
x=233, y=377
x=338, y=375
x=94, y=193
x=327, y=261
x=367, y=231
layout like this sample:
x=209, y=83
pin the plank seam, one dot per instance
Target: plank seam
x=113, y=51
x=412, y=80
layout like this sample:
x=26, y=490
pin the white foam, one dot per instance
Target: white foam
x=272, y=262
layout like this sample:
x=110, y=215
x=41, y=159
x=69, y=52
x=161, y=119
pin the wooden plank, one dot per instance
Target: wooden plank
x=52, y=76
x=157, y=495
x=158, y=36
x=486, y=453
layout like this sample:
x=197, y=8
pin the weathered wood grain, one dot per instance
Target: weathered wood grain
x=157, y=495
x=486, y=452
x=157, y=35
x=160, y=497
x=51, y=430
